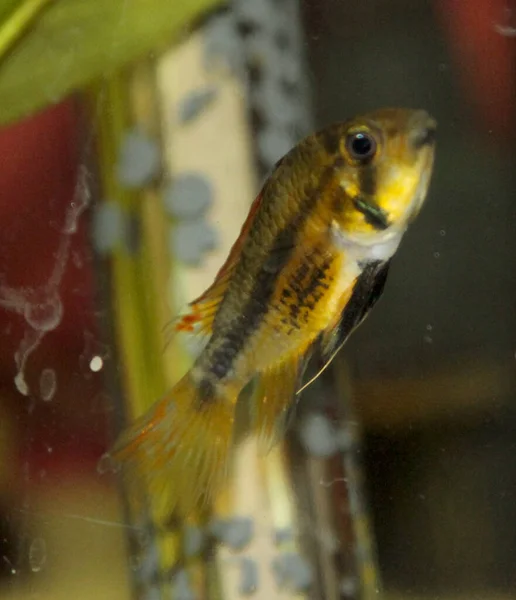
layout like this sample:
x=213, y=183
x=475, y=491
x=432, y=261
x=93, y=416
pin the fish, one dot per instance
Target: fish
x=311, y=261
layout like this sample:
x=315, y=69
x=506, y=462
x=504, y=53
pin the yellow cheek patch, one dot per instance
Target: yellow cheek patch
x=397, y=193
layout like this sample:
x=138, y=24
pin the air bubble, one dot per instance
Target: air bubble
x=437, y=255
x=47, y=384
x=318, y=436
x=442, y=233
x=37, y=554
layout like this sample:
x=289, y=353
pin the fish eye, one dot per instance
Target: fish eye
x=361, y=146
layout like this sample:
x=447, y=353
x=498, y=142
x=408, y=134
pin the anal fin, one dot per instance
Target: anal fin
x=273, y=398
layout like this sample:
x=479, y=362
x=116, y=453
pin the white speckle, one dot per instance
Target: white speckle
x=109, y=227
x=235, y=533
x=505, y=30
x=138, y=160
x=21, y=384
x=193, y=541
x=318, y=436
x=188, y=196
x=47, y=384
x=37, y=554
x=96, y=364
x=181, y=588
x=249, y=577
x=44, y=315
x=427, y=339
x=507, y=23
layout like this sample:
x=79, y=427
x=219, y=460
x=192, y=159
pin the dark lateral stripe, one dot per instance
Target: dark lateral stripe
x=265, y=283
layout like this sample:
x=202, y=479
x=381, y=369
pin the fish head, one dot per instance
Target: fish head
x=383, y=165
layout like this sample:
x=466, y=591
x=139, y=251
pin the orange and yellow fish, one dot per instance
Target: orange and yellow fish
x=310, y=262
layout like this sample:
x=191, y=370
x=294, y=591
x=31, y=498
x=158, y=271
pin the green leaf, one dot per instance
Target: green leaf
x=73, y=42
x=7, y=7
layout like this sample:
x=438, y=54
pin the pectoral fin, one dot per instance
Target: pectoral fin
x=366, y=292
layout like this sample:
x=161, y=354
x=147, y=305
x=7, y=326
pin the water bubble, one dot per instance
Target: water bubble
x=44, y=315
x=47, y=384
x=37, y=554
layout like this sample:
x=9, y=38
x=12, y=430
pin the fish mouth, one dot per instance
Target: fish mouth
x=423, y=130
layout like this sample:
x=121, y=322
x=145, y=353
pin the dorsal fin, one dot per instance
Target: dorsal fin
x=221, y=279
x=197, y=320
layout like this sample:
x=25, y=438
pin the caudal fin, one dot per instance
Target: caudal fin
x=179, y=449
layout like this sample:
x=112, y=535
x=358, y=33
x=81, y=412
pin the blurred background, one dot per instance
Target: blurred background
x=134, y=136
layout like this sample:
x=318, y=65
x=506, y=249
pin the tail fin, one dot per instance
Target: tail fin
x=179, y=449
